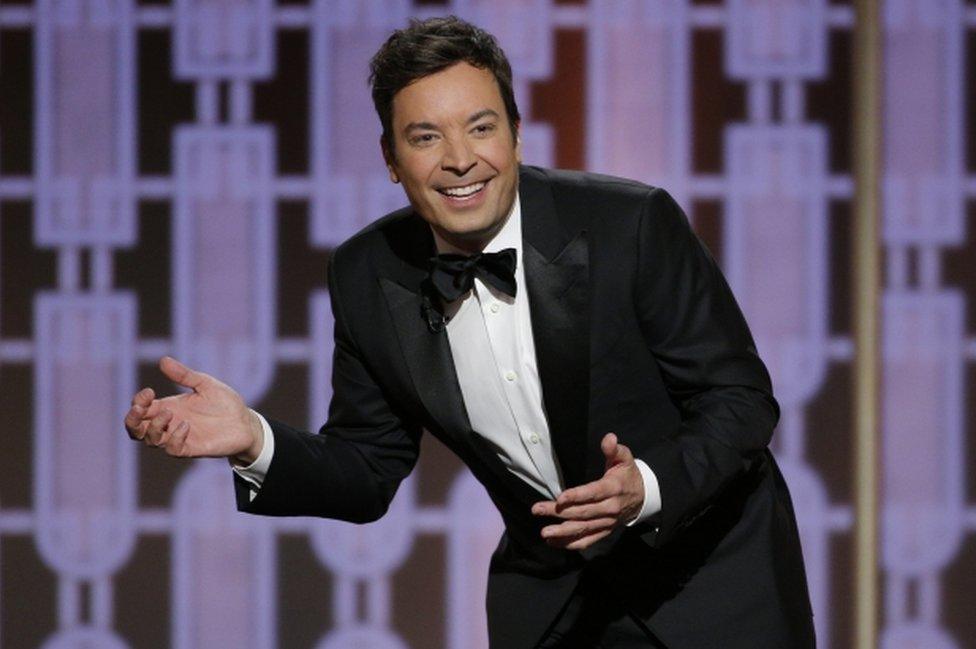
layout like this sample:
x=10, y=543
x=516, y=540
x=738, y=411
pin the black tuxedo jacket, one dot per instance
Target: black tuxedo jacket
x=636, y=332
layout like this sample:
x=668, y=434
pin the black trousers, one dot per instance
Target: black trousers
x=595, y=618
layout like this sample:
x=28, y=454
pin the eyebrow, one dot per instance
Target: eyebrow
x=487, y=112
x=430, y=126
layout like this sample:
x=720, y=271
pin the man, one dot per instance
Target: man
x=573, y=343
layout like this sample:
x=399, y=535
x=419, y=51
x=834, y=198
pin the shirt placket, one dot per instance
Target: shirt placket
x=501, y=323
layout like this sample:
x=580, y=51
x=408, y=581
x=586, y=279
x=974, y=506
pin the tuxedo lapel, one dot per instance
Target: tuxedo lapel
x=428, y=357
x=557, y=274
x=427, y=354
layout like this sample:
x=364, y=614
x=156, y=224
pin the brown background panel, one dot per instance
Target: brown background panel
x=828, y=424
x=144, y=268
x=142, y=594
x=561, y=100
x=301, y=268
x=419, y=593
x=162, y=102
x=304, y=594
x=28, y=593
x=707, y=218
x=287, y=398
x=716, y=101
x=969, y=434
x=959, y=593
x=25, y=270
x=839, y=283
x=284, y=101
x=829, y=101
x=17, y=107
x=16, y=406
x=841, y=602
x=959, y=266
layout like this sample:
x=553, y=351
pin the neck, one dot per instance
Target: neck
x=471, y=243
x=448, y=243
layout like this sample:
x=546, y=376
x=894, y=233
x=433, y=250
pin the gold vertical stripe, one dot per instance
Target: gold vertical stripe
x=867, y=139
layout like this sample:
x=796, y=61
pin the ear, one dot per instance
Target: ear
x=389, y=159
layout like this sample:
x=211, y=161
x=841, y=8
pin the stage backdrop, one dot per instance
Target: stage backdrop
x=174, y=175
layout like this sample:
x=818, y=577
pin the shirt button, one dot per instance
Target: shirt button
x=494, y=307
x=534, y=438
x=510, y=376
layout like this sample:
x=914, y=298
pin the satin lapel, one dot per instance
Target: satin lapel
x=428, y=357
x=557, y=274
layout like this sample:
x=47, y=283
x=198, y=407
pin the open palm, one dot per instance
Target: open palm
x=211, y=420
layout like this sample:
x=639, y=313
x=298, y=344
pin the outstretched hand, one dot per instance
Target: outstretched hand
x=211, y=420
x=592, y=511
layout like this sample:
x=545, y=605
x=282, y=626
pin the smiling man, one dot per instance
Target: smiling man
x=571, y=340
x=453, y=149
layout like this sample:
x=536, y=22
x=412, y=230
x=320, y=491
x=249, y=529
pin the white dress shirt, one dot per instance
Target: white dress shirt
x=491, y=341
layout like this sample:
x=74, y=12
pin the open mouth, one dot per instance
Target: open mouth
x=467, y=192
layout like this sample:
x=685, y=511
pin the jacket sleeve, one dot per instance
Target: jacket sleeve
x=351, y=469
x=710, y=366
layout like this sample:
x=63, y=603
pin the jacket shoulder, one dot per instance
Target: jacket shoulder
x=582, y=184
x=586, y=196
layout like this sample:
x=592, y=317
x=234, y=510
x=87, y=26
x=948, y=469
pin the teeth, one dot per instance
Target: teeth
x=461, y=192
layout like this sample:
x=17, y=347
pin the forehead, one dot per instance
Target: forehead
x=456, y=92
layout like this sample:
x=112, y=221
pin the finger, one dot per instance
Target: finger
x=180, y=374
x=572, y=530
x=168, y=432
x=544, y=508
x=586, y=541
x=137, y=431
x=154, y=408
x=134, y=420
x=143, y=397
x=176, y=444
x=588, y=493
x=575, y=529
x=157, y=425
x=600, y=509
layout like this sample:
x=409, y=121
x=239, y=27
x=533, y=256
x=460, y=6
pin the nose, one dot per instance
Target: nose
x=458, y=158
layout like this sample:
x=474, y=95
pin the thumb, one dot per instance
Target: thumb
x=608, y=445
x=180, y=374
x=614, y=452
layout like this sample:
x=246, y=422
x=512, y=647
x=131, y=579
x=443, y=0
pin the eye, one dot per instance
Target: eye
x=423, y=139
x=483, y=129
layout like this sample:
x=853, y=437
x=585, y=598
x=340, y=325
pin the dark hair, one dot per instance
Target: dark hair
x=427, y=47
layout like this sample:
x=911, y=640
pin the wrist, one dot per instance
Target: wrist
x=256, y=432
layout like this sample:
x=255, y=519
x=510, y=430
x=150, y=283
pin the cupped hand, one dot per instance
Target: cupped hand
x=592, y=511
x=211, y=420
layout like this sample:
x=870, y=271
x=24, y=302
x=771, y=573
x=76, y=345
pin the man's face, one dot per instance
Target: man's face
x=454, y=153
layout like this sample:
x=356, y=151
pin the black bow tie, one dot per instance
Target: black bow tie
x=453, y=275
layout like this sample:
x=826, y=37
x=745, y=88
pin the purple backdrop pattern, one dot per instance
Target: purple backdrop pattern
x=88, y=346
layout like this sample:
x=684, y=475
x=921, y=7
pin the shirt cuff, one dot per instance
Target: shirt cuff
x=652, y=494
x=255, y=472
